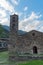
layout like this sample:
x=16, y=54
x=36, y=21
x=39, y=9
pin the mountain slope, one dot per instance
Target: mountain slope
x=20, y=32
x=3, y=32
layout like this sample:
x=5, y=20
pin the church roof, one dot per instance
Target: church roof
x=32, y=33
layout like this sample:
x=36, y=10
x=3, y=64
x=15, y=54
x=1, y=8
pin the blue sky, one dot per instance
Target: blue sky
x=30, y=13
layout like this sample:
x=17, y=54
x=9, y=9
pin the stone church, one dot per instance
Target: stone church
x=24, y=46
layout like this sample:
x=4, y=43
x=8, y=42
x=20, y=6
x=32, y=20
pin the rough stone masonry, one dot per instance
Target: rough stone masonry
x=26, y=46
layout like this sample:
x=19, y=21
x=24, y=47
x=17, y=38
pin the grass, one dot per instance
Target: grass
x=4, y=57
x=4, y=60
x=33, y=62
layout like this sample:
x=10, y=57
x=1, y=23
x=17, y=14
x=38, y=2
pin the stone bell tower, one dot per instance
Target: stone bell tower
x=14, y=24
x=13, y=34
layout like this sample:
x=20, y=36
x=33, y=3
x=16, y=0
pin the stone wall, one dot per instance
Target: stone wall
x=26, y=44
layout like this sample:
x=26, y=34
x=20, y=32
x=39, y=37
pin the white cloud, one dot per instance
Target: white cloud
x=30, y=23
x=5, y=21
x=2, y=13
x=15, y=2
x=25, y=8
x=34, y=16
x=6, y=5
x=31, y=17
x=41, y=28
x=27, y=24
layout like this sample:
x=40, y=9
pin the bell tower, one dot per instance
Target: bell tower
x=14, y=24
x=13, y=28
x=13, y=34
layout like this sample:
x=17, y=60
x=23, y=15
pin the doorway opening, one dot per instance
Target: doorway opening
x=35, y=50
